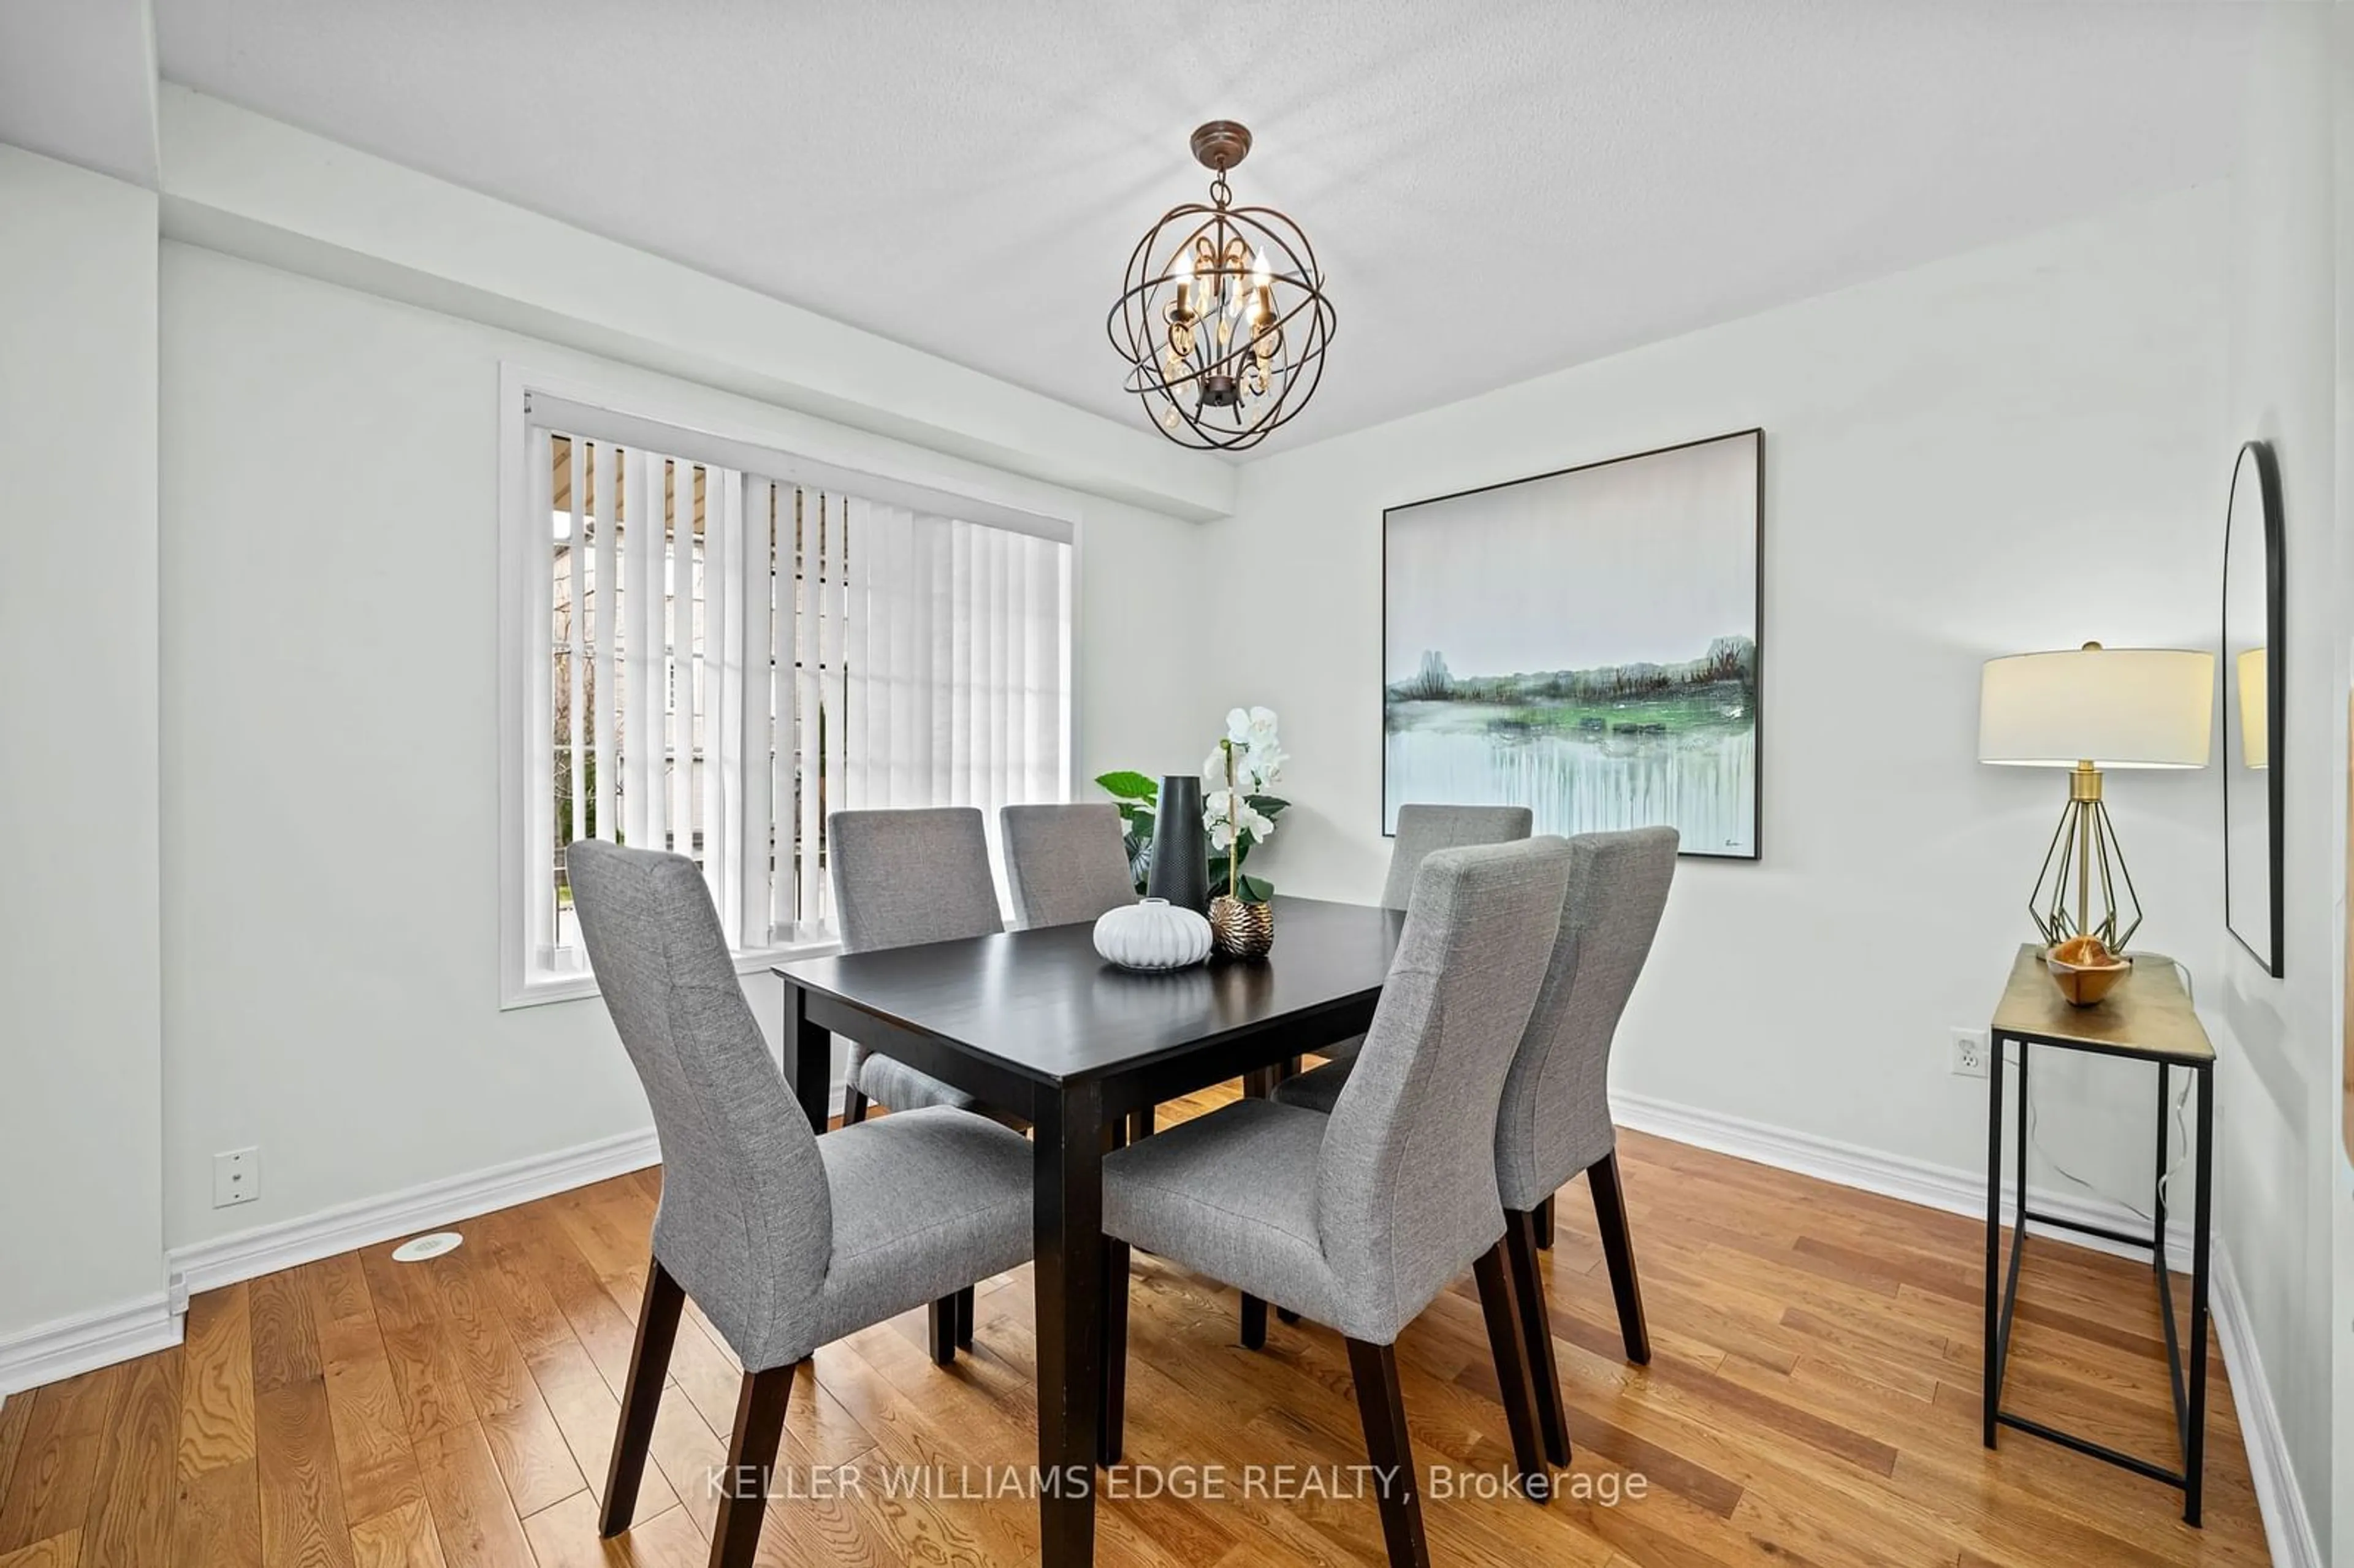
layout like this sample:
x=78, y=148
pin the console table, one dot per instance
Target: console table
x=2147, y=1018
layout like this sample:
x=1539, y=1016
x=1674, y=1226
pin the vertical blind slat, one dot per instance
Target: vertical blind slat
x=576, y=621
x=608, y=602
x=857, y=667
x=681, y=672
x=836, y=700
x=903, y=754
x=539, y=713
x=809, y=533
x=1042, y=754
x=960, y=671
x=718, y=849
x=935, y=544
x=640, y=693
x=777, y=584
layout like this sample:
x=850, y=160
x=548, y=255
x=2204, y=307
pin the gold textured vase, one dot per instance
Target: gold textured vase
x=1241, y=931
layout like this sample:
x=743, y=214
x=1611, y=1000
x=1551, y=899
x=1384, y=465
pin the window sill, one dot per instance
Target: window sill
x=577, y=985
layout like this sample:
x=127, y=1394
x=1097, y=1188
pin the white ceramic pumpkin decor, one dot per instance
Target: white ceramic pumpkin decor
x=1152, y=934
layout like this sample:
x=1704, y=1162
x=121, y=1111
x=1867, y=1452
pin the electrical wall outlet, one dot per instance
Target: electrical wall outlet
x=236, y=1177
x=1969, y=1054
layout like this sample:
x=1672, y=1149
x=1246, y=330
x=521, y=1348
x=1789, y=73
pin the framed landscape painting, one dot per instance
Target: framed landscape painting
x=1584, y=643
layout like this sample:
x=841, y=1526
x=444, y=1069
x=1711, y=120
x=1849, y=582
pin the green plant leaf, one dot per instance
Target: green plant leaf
x=1256, y=891
x=1128, y=785
x=1266, y=806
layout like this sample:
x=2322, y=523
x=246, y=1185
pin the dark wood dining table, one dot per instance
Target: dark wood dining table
x=1038, y=1026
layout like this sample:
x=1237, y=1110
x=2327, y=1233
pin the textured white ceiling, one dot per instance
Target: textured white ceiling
x=1495, y=190
x=78, y=82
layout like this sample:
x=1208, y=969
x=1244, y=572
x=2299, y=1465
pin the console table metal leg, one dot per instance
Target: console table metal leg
x=1994, y=1239
x=2158, y=1184
x=2019, y=1196
x=2194, y=1445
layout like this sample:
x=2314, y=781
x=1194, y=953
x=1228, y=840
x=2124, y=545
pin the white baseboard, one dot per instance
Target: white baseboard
x=2288, y=1528
x=1933, y=1186
x=265, y=1249
x=69, y=1346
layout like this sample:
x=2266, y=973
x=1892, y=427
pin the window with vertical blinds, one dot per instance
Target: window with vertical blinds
x=732, y=654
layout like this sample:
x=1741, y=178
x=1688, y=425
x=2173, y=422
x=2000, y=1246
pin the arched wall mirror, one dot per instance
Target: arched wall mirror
x=2252, y=711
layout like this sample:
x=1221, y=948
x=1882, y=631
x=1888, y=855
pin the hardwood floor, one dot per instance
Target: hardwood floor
x=1813, y=1398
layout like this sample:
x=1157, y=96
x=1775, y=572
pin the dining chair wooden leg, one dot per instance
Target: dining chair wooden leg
x=1536, y=1322
x=1111, y=1436
x=1619, y=1252
x=1141, y=1125
x=1254, y=1331
x=1381, y=1404
x=751, y=1465
x=640, y=1396
x=964, y=1317
x=853, y=1107
x=1543, y=1212
x=1508, y=1342
x=944, y=1314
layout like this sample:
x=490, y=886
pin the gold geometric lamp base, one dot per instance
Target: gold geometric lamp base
x=2085, y=859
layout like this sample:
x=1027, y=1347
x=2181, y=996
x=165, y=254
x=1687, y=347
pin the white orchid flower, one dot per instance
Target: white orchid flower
x=1214, y=769
x=1222, y=835
x=1259, y=828
x=1250, y=727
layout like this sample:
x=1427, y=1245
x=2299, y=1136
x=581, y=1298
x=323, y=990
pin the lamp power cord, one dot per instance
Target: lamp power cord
x=2178, y=1142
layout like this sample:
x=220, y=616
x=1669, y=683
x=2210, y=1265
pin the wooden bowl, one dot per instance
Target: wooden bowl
x=2084, y=971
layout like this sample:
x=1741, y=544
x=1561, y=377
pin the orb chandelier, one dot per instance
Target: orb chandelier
x=1222, y=319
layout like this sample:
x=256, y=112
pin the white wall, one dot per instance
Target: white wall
x=2341, y=1506
x=329, y=476
x=80, y=1092
x=2281, y=1064
x=2008, y=450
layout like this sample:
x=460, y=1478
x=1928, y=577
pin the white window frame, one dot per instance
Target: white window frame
x=796, y=448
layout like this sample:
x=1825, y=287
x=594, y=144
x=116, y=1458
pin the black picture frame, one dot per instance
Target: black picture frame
x=1756, y=850
x=2256, y=456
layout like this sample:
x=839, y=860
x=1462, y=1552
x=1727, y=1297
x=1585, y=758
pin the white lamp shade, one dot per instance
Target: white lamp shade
x=2115, y=707
x=2256, y=712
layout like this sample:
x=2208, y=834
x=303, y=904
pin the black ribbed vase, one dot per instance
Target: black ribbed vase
x=1181, y=858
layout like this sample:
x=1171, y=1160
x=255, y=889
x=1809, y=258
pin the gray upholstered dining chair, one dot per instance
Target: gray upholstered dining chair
x=1554, y=1121
x=1359, y=1219
x=1064, y=863
x=901, y=878
x=785, y=1240
x=1422, y=828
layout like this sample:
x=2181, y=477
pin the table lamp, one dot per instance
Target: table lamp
x=2085, y=710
